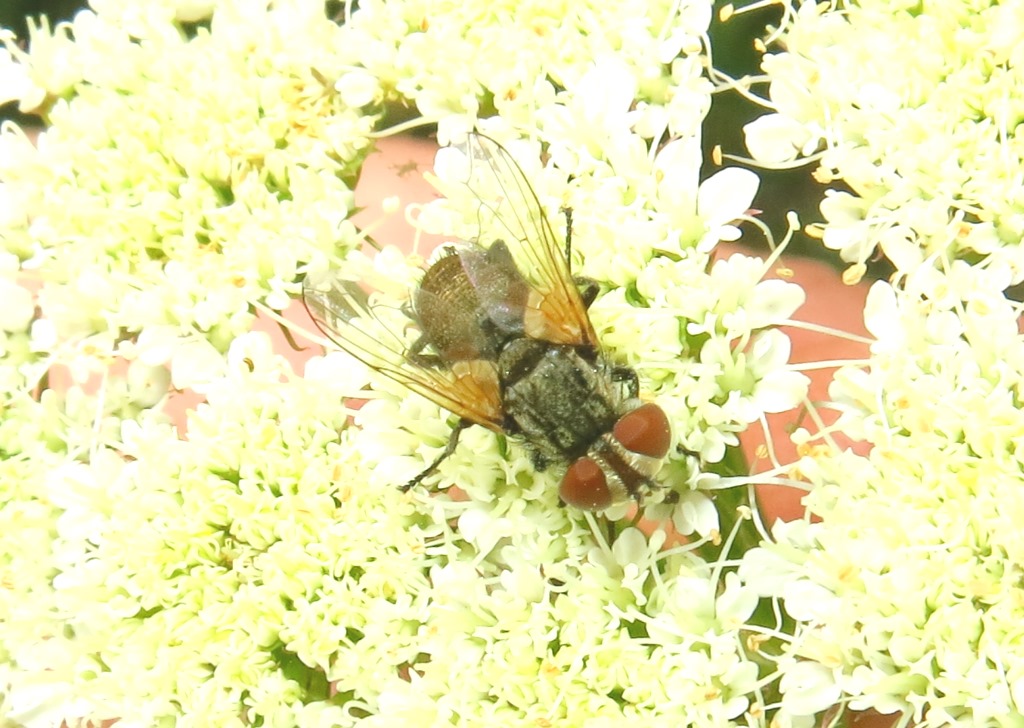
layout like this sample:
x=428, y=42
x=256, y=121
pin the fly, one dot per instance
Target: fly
x=498, y=333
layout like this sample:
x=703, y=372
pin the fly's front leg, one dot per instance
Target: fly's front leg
x=628, y=380
x=567, y=211
x=453, y=441
x=588, y=287
x=416, y=354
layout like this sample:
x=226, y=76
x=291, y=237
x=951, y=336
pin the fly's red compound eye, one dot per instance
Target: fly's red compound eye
x=644, y=431
x=585, y=486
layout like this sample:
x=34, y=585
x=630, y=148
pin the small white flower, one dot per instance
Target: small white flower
x=677, y=165
x=337, y=369
x=194, y=364
x=695, y=513
x=808, y=689
x=807, y=601
x=147, y=385
x=482, y=529
x=773, y=302
x=254, y=352
x=721, y=199
x=776, y=139
x=606, y=92
x=736, y=603
x=881, y=316
x=358, y=89
x=899, y=244
x=156, y=344
x=16, y=83
x=766, y=572
x=777, y=390
x=53, y=65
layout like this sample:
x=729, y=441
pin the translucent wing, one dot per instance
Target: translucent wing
x=380, y=336
x=509, y=211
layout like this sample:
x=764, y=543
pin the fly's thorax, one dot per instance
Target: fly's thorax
x=560, y=399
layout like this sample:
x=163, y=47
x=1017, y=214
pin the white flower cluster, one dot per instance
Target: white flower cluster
x=254, y=573
x=265, y=569
x=465, y=60
x=543, y=627
x=915, y=108
x=189, y=178
x=17, y=360
x=907, y=584
x=229, y=577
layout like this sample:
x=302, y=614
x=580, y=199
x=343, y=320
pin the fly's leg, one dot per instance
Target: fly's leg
x=627, y=379
x=453, y=441
x=686, y=451
x=567, y=211
x=587, y=286
x=416, y=355
x=588, y=289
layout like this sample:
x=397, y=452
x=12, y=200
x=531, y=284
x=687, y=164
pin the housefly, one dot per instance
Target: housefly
x=497, y=332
